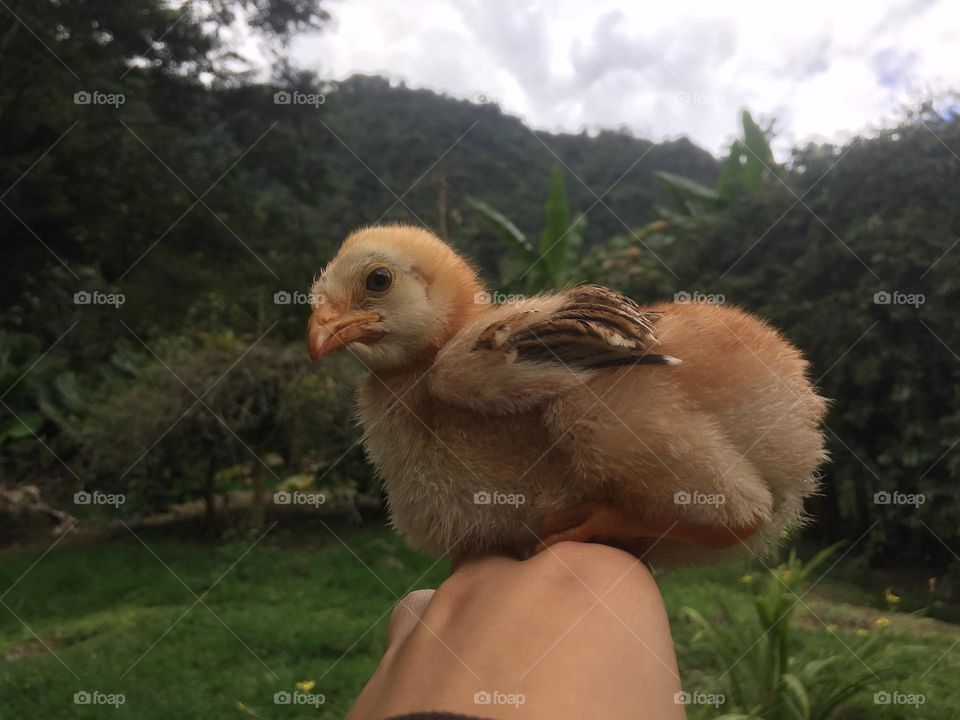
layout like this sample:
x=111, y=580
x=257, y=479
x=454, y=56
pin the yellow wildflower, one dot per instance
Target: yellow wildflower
x=306, y=686
x=862, y=632
x=746, y=579
x=881, y=622
x=891, y=598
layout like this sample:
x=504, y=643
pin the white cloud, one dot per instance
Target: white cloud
x=823, y=69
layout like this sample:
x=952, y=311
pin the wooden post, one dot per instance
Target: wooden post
x=440, y=182
x=210, y=495
x=257, y=506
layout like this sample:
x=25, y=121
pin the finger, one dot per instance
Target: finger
x=406, y=614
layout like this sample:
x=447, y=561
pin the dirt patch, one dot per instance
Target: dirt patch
x=851, y=618
x=30, y=649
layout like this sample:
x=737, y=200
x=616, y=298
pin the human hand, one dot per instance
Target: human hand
x=578, y=631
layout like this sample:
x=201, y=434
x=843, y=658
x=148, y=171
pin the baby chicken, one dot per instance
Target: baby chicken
x=682, y=432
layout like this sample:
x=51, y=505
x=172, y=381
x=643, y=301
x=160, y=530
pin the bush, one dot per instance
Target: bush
x=765, y=676
x=212, y=403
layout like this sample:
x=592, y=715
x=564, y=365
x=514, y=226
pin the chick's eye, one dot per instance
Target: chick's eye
x=379, y=280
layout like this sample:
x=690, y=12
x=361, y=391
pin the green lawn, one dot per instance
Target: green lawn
x=302, y=606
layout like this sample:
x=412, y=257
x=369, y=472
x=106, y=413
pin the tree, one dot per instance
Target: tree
x=550, y=263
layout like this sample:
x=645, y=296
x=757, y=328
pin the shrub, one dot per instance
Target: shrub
x=765, y=677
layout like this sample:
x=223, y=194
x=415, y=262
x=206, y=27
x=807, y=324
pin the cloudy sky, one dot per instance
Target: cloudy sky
x=824, y=69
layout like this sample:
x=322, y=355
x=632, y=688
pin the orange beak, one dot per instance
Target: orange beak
x=329, y=330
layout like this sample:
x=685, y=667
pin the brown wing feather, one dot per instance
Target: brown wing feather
x=595, y=328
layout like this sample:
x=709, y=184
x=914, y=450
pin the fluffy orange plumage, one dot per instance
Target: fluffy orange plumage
x=683, y=432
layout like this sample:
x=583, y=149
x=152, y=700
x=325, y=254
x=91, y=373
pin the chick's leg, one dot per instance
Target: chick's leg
x=600, y=521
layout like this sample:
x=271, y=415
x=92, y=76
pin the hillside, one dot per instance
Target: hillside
x=148, y=196
x=401, y=133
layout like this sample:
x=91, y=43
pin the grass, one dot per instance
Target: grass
x=307, y=607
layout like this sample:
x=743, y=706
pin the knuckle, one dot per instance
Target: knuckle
x=590, y=564
x=409, y=607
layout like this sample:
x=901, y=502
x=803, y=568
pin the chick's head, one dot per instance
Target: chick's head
x=392, y=295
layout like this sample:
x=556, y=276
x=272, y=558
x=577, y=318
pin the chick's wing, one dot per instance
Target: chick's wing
x=517, y=355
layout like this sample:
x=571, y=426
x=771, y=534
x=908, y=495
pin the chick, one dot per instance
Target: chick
x=682, y=432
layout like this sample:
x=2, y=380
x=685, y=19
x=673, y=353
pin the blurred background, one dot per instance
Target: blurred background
x=187, y=522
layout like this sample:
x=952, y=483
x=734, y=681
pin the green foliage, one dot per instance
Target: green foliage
x=561, y=239
x=511, y=234
x=308, y=606
x=40, y=400
x=275, y=17
x=116, y=188
x=685, y=195
x=486, y=154
x=765, y=678
x=299, y=606
x=748, y=163
x=551, y=263
x=207, y=403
